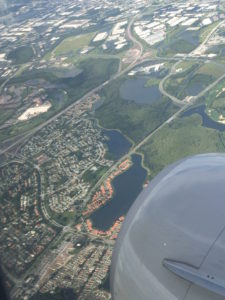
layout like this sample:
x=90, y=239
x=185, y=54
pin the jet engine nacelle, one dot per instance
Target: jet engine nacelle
x=172, y=243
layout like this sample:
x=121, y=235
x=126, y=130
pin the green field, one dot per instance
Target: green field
x=133, y=120
x=215, y=102
x=21, y=55
x=180, y=40
x=152, y=81
x=206, y=30
x=185, y=65
x=214, y=69
x=194, y=78
x=184, y=137
x=73, y=44
x=71, y=47
x=92, y=177
x=6, y=114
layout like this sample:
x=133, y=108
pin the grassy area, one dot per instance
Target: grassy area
x=92, y=177
x=6, y=114
x=73, y=44
x=152, y=81
x=184, y=137
x=194, y=79
x=66, y=218
x=94, y=72
x=206, y=30
x=185, y=65
x=21, y=55
x=179, y=40
x=215, y=102
x=213, y=69
x=135, y=121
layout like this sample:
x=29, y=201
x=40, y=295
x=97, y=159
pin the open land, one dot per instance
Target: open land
x=152, y=71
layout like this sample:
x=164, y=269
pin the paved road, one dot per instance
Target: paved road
x=137, y=61
x=200, y=47
x=177, y=101
x=26, y=136
x=43, y=203
x=138, y=146
x=189, y=56
x=93, y=91
x=133, y=39
x=164, y=92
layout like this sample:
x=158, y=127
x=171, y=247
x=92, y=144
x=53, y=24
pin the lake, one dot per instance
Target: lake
x=134, y=90
x=117, y=144
x=127, y=186
x=206, y=120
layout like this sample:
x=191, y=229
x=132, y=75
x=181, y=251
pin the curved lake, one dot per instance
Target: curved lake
x=206, y=120
x=134, y=90
x=127, y=187
x=117, y=144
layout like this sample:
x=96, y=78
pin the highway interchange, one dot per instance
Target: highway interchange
x=139, y=59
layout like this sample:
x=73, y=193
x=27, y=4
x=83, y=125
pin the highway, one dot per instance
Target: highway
x=189, y=56
x=93, y=91
x=136, y=43
x=138, y=60
x=35, y=130
x=164, y=92
x=200, y=47
x=184, y=105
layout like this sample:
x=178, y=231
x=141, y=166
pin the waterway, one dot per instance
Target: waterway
x=134, y=90
x=206, y=120
x=117, y=144
x=127, y=187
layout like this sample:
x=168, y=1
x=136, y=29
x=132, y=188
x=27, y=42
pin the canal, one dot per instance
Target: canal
x=116, y=143
x=206, y=120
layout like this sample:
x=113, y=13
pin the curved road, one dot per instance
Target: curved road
x=98, y=88
x=177, y=101
x=187, y=56
x=137, y=61
x=131, y=66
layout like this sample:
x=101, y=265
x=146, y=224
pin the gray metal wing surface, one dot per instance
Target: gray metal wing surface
x=172, y=243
